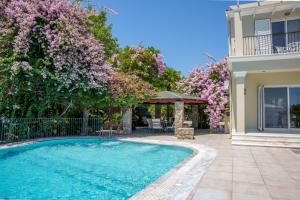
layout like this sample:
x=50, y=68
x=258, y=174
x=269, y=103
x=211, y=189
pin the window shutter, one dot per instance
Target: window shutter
x=263, y=37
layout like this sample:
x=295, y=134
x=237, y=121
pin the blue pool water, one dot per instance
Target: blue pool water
x=84, y=168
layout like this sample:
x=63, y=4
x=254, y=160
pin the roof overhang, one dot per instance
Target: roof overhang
x=269, y=7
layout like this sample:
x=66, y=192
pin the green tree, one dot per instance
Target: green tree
x=146, y=63
x=102, y=32
x=169, y=79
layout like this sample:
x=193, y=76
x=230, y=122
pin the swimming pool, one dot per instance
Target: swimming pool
x=84, y=168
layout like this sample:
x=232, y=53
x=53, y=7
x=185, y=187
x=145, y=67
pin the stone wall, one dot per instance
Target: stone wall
x=184, y=133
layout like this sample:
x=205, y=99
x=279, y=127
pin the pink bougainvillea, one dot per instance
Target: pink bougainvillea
x=208, y=83
x=147, y=63
x=58, y=28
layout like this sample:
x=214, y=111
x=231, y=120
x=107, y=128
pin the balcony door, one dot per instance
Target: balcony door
x=278, y=36
x=281, y=107
x=293, y=30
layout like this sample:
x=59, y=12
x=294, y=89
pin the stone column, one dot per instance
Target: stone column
x=127, y=121
x=240, y=101
x=157, y=111
x=179, y=115
x=195, y=115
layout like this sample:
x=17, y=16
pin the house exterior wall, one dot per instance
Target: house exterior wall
x=250, y=71
x=243, y=25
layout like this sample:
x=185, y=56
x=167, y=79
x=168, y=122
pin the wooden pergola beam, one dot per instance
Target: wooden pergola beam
x=166, y=101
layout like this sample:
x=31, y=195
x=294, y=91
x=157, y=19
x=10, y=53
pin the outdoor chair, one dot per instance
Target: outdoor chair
x=188, y=124
x=281, y=49
x=221, y=126
x=109, y=130
x=156, y=125
x=149, y=122
x=171, y=128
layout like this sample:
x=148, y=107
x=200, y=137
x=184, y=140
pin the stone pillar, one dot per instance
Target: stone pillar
x=127, y=121
x=226, y=123
x=195, y=115
x=179, y=115
x=238, y=33
x=157, y=111
x=240, y=101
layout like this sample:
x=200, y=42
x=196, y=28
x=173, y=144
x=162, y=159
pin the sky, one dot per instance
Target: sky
x=183, y=30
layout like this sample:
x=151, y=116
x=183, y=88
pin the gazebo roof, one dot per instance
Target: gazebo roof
x=172, y=97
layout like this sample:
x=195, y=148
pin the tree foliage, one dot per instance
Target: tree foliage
x=48, y=58
x=208, y=83
x=169, y=79
x=102, y=33
x=146, y=63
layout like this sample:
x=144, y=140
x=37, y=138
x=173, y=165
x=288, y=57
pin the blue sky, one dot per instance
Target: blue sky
x=181, y=29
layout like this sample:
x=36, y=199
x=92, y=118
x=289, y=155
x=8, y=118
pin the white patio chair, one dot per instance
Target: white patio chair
x=156, y=125
x=188, y=124
x=149, y=122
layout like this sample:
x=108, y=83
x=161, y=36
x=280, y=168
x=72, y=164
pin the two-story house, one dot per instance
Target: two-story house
x=264, y=59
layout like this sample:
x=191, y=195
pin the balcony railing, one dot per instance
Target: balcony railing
x=272, y=44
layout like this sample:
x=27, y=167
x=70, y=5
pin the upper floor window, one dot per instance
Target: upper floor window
x=286, y=36
x=273, y=37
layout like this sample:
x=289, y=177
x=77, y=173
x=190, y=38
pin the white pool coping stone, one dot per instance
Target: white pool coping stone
x=177, y=184
x=180, y=182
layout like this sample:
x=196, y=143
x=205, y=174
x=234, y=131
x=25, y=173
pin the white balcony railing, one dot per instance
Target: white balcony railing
x=272, y=44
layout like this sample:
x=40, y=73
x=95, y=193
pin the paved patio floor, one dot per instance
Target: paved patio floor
x=245, y=173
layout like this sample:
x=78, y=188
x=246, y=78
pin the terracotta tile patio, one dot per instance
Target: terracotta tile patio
x=241, y=172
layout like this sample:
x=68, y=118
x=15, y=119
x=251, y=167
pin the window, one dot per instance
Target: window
x=281, y=107
x=286, y=36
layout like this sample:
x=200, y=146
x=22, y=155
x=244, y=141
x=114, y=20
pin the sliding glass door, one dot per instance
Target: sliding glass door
x=276, y=106
x=294, y=107
x=282, y=107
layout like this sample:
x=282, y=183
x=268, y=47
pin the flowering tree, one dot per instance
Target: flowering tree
x=146, y=63
x=125, y=91
x=209, y=84
x=48, y=54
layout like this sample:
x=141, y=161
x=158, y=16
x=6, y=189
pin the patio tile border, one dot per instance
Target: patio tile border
x=181, y=181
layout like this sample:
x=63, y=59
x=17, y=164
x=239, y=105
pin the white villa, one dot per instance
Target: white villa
x=264, y=59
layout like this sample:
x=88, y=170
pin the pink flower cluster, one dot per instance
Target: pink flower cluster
x=209, y=84
x=128, y=87
x=59, y=28
x=158, y=58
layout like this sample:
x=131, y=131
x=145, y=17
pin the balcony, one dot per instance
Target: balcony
x=272, y=44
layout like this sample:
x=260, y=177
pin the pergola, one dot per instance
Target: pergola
x=167, y=97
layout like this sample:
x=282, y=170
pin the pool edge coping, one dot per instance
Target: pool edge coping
x=190, y=170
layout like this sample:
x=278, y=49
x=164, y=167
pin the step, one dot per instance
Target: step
x=269, y=139
x=287, y=141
